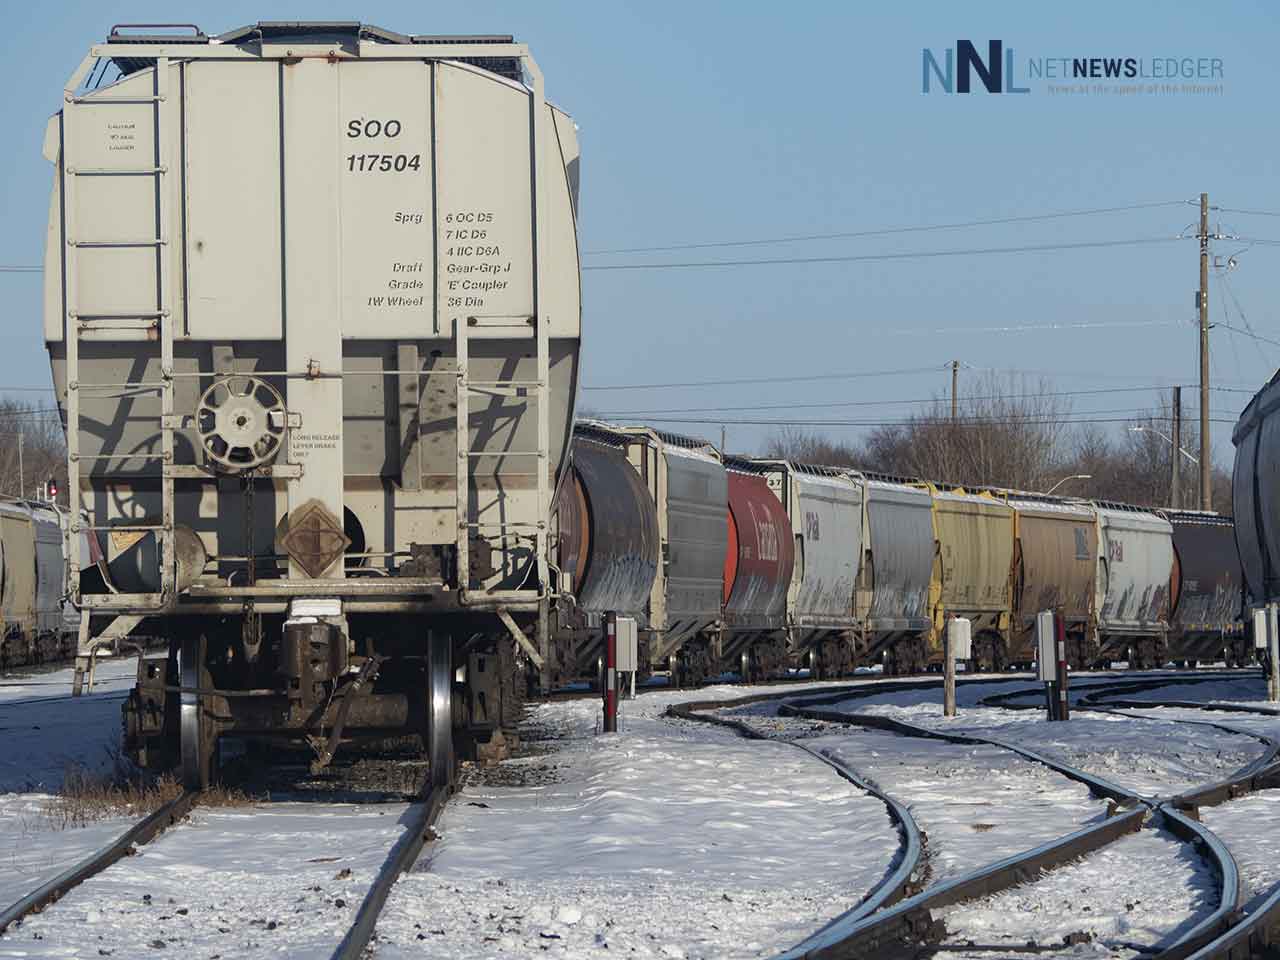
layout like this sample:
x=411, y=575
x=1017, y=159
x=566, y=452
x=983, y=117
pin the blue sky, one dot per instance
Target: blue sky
x=734, y=121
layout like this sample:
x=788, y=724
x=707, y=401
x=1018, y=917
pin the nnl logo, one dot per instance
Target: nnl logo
x=995, y=72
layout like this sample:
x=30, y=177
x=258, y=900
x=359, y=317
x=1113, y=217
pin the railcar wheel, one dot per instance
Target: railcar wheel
x=440, y=709
x=196, y=732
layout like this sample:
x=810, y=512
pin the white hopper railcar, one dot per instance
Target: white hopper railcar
x=312, y=305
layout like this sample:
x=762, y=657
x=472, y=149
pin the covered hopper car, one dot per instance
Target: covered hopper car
x=1131, y=599
x=1206, y=590
x=37, y=625
x=1055, y=563
x=892, y=604
x=826, y=507
x=759, y=562
x=1255, y=487
x=971, y=570
x=312, y=307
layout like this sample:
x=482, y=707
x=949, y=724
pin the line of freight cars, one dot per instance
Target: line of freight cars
x=759, y=565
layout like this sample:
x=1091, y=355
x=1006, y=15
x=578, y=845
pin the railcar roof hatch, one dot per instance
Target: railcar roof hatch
x=345, y=33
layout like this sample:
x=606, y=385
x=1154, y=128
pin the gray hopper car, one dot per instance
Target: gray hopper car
x=312, y=306
x=37, y=625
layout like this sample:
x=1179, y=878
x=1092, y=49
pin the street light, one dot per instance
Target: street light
x=1074, y=476
x=1166, y=439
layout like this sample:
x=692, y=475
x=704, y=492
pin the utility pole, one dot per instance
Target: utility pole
x=955, y=375
x=1176, y=460
x=723, y=448
x=21, y=474
x=1206, y=493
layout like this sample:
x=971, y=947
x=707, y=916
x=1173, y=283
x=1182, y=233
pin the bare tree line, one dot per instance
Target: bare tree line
x=38, y=431
x=1016, y=432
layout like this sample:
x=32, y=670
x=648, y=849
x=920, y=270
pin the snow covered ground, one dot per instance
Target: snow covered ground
x=1247, y=690
x=975, y=804
x=45, y=730
x=278, y=879
x=1146, y=889
x=45, y=734
x=1149, y=755
x=33, y=849
x=672, y=839
x=1250, y=827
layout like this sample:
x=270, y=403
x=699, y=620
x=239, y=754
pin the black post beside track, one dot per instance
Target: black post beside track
x=144, y=831
x=424, y=814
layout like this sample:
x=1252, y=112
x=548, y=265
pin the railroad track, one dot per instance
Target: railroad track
x=869, y=925
x=419, y=832
x=418, y=821
x=904, y=923
x=1255, y=925
x=144, y=831
x=904, y=876
x=1255, y=930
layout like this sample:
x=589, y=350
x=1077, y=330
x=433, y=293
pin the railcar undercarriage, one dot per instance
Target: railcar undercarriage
x=317, y=678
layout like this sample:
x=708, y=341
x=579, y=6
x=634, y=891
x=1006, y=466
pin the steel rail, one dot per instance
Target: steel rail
x=1167, y=813
x=1099, y=786
x=903, y=878
x=143, y=832
x=424, y=814
x=902, y=925
x=1230, y=883
x=903, y=928
x=1229, y=931
x=1255, y=928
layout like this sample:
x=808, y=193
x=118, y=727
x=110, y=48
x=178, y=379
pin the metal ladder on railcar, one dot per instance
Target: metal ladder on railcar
x=85, y=322
x=507, y=531
x=538, y=391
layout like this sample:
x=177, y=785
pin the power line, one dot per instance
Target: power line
x=1030, y=417
x=882, y=403
x=884, y=231
x=935, y=421
x=879, y=257
x=1037, y=327
x=751, y=381
x=1248, y=333
x=1251, y=213
x=19, y=268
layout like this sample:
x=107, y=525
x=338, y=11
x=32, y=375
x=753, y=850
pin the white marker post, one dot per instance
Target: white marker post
x=1047, y=658
x=628, y=652
x=959, y=646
